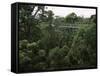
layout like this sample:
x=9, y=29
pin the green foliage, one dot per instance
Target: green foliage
x=44, y=44
x=71, y=18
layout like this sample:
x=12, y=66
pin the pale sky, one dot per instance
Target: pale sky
x=63, y=11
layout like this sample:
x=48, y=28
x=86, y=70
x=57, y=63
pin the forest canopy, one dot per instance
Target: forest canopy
x=50, y=42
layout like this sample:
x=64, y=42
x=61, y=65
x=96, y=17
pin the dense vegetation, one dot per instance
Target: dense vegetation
x=49, y=42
